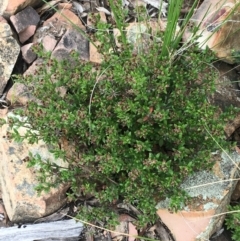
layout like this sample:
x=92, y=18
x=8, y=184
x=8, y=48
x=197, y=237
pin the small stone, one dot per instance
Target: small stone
x=49, y=43
x=94, y=55
x=25, y=23
x=27, y=53
x=72, y=40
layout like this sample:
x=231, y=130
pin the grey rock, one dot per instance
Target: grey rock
x=71, y=40
x=3, y=6
x=9, y=52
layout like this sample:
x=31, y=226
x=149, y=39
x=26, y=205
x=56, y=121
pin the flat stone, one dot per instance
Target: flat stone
x=8, y=55
x=27, y=33
x=94, y=55
x=33, y=68
x=65, y=18
x=211, y=193
x=14, y=6
x=71, y=40
x=22, y=202
x=49, y=43
x=218, y=28
x=25, y=23
x=28, y=54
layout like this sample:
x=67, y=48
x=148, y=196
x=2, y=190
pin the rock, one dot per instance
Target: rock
x=65, y=18
x=3, y=6
x=201, y=217
x=15, y=6
x=55, y=27
x=21, y=201
x=19, y=94
x=8, y=54
x=218, y=28
x=33, y=68
x=54, y=31
x=71, y=40
x=28, y=54
x=49, y=43
x=94, y=55
x=25, y=23
x=5, y=30
x=139, y=36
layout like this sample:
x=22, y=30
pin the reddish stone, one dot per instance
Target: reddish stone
x=28, y=55
x=14, y=6
x=65, y=18
x=49, y=43
x=25, y=23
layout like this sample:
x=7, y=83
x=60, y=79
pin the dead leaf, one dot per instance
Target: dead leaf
x=78, y=7
x=102, y=9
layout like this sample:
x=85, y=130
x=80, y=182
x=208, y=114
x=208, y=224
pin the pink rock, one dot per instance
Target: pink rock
x=218, y=28
x=185, y=226
x=94, y=55
x=49, y=43
x=27, y=33
x=211, y=192
x=2, y=20
x=33, y=68
x=65, y=18
x=28, y=55
x=25, y=23
x=14, y=6
x=21, y=200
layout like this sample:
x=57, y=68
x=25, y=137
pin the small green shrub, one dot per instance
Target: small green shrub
x=233, y=222
x=131, y=128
